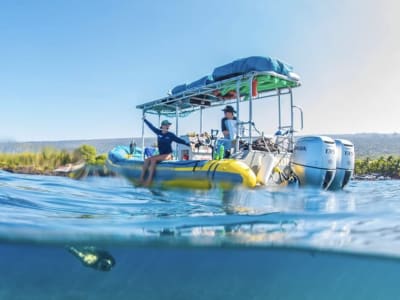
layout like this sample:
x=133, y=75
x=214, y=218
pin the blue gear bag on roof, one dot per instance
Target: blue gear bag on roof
x=200, y=82
x=179, y=89
x=248, y=64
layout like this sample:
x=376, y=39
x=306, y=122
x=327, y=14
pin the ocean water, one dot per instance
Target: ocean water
x=57, y=235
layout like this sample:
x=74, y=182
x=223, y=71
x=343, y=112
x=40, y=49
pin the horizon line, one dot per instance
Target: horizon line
x=3, y=141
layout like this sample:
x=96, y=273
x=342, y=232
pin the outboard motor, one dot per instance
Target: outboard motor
x=344, y=164
x=314, y=161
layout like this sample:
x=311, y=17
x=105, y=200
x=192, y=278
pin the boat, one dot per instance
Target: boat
x=256, y=159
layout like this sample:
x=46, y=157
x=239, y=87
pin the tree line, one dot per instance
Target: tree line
x=49, y=159
x=384, y=165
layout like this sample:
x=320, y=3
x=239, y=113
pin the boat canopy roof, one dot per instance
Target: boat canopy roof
x=252, y=77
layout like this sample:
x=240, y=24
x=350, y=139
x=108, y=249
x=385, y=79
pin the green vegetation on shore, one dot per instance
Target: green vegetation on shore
x=49, y=159
x=384, y=166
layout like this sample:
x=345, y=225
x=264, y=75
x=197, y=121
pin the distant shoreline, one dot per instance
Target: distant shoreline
x=84, y=171
x=82, y=161
x=370, y=145
x=377, y=155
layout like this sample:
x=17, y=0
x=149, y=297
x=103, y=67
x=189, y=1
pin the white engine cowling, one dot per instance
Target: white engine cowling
x=344, y=164
x=314, y=161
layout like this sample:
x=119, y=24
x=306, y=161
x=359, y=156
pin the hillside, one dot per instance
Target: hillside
x=366, y=144
x=373, y=144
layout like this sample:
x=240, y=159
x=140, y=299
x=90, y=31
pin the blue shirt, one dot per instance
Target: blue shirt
x=230, y=126
x=164, y=140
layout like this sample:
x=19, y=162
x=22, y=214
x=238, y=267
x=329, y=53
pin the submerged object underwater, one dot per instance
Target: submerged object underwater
x=93, y=258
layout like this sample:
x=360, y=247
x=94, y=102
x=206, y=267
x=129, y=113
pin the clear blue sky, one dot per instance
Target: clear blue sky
x=77, y=69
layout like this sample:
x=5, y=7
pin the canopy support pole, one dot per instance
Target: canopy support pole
x=279, y=110
x=176, y=130
x=201, y=119
x=237, y=137
x=143, y=114
x=176, y=120
x=250, y=109
x=291, y=119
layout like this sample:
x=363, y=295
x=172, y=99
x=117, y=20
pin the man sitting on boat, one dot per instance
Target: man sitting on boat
x=228, y=128
x=164, y=141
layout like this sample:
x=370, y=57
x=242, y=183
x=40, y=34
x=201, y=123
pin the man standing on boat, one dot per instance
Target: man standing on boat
x=228, y=128
x=164, y=141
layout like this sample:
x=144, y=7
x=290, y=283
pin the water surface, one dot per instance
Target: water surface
x=180, y=244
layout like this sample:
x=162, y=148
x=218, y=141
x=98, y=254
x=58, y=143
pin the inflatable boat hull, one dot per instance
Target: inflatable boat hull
x=203, y=174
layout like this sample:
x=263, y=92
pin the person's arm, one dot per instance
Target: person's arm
x=179, y=140
x=152, y=127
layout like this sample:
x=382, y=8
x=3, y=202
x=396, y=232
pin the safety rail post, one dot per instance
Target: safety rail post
x=301, y=117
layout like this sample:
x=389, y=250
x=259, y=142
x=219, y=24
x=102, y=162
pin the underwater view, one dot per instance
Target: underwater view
x=102, y=238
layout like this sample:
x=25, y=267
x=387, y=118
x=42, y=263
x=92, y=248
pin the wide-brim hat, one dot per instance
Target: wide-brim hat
x=229, y=108
x=166, y=122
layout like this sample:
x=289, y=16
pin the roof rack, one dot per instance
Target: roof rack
x=252, y=85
